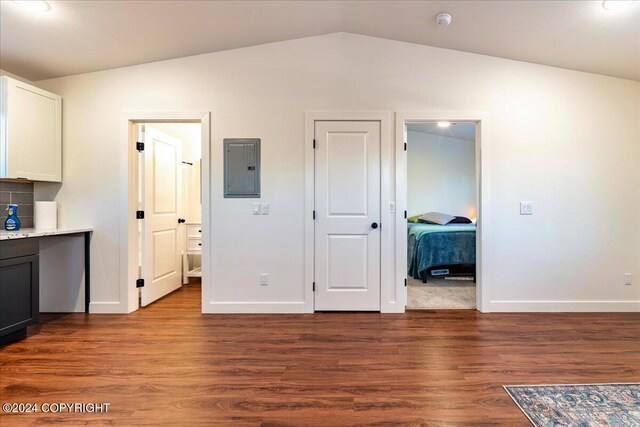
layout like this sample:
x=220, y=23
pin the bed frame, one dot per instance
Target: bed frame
x=460, y=270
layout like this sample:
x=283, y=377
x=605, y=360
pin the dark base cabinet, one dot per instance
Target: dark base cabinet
x=19, y=291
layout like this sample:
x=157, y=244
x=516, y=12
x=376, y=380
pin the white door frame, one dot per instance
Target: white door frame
x=388, y=300
x=483, y=233
x=128, y=207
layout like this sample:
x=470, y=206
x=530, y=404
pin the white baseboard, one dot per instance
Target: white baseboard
x=256, y=307
x=562, y=306
x=106, y=308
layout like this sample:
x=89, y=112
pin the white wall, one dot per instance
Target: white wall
x=569, y=141
x=62, y=274
x=440, y=175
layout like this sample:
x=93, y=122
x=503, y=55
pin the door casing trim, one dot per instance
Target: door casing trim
x=483, y=205
x=389, y=302
x=129, y=184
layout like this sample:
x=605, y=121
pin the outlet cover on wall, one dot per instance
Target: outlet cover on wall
x=526, y=208
x=627, y=279
x=264, y=279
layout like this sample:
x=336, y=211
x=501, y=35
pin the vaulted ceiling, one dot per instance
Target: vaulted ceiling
x=465, y=131
x=81, y=36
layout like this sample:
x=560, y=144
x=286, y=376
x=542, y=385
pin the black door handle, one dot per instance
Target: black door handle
x=181, y=220
x=374, y=225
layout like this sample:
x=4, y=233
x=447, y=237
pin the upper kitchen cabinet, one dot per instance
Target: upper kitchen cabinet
x=30, y=132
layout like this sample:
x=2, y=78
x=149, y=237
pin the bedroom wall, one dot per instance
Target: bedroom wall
x=569, y=141
x=440, y=175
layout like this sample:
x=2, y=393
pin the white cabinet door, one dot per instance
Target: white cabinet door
x=31, y=133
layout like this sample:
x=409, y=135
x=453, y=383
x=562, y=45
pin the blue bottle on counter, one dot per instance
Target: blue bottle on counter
x=12, y=223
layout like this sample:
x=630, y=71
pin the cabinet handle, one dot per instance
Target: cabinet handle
x=199, y=244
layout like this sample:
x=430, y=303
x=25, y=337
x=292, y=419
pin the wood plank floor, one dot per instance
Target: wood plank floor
x=170, y=365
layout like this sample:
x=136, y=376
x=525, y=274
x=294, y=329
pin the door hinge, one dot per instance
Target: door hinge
x=314, y=144
x=405, y=214
x=314, y=215
x=405, y=146
x=405, y=283
x=140, y=283
x=140, y=146
x=314, y=286
x=139, y=214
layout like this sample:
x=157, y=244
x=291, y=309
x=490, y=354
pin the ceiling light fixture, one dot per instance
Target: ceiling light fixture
x=444, y=124
x=34, y=5
x=616, y=4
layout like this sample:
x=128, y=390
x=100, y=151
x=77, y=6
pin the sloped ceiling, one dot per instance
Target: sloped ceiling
x=465, y=131
x=82, y=36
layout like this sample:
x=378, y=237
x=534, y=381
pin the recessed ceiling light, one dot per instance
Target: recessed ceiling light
x=616, y=4
x=444, y=124
x=34, y=5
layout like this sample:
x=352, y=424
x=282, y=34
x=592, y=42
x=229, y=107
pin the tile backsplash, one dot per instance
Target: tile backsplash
x=17, y=193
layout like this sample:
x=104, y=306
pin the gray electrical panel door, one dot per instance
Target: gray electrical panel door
x=241, y=167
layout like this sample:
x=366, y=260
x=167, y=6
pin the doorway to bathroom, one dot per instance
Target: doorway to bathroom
x=168, y=208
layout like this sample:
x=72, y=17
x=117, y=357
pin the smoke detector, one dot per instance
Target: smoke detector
x=443, y=19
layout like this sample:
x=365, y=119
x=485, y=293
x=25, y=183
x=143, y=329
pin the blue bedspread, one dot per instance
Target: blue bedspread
x=437, y=245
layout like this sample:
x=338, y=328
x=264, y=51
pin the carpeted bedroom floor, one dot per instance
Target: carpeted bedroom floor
x=441, y=293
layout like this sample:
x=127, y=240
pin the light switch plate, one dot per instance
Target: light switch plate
x=526, y=208
x=264, y=208
x=256, y=208
x=264, y=279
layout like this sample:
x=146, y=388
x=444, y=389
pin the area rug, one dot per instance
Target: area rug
x=583, y=405
x=441, y=293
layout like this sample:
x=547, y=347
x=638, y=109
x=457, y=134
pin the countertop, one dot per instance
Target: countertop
x=25, y=233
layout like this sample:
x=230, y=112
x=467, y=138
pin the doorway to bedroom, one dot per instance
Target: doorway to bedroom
x=442, y=210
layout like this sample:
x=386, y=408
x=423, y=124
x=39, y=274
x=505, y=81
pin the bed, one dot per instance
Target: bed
x=434, y=246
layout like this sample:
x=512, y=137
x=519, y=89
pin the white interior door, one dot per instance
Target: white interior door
x=347, y=224
x=162, y=207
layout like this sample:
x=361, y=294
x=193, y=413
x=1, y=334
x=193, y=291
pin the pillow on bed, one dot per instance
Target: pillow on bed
x=460, y=220
x=415, y=218
x=436, y=218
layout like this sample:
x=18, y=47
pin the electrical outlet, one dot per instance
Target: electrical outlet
x=526, y=208
x=264, y=279
x=264, y=209
x=627, y=279
x=256, y=208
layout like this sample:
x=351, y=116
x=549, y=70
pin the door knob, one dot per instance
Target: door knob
x=374, y=225
x=181, y=220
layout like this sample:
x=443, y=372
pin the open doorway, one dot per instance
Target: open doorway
x=167, y=207
x=170, y=199
x=442, y=210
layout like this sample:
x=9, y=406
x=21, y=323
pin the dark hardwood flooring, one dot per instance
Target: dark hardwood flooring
x=170, y=365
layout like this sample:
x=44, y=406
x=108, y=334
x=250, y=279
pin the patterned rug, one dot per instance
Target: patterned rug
x=583, y=405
